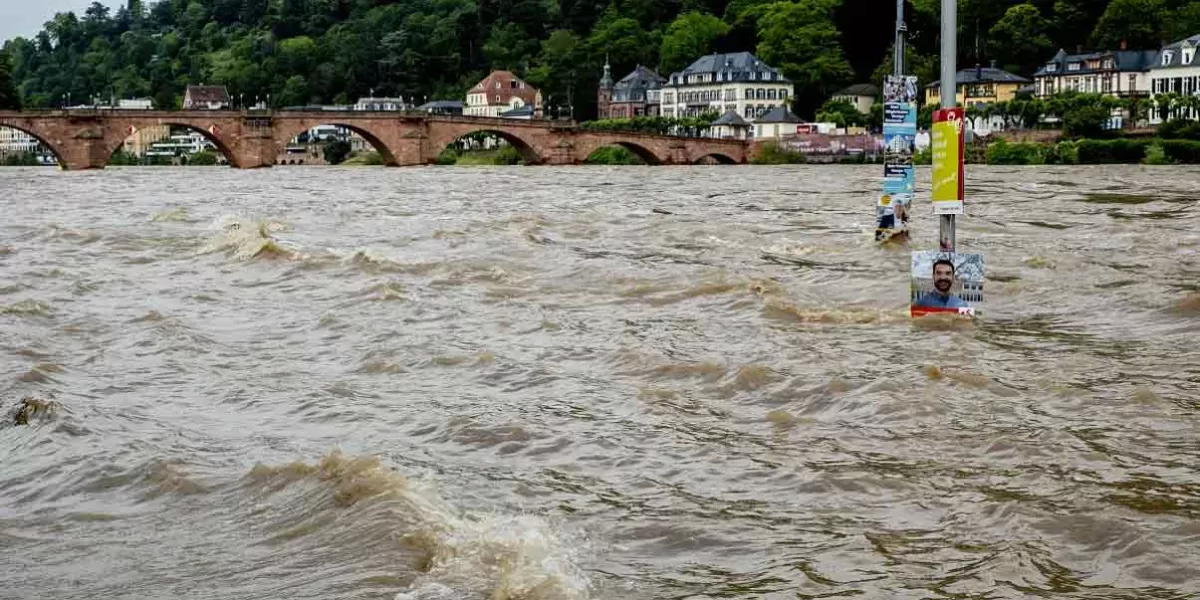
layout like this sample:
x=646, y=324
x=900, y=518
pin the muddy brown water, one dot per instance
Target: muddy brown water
x=589, y=383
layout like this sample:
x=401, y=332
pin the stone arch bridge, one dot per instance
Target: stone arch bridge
x=86, y=139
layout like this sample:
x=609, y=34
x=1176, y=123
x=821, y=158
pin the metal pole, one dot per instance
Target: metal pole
x=898, y=58
x=949, y=93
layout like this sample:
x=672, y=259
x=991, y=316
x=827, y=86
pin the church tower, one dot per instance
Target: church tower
x=604, y=93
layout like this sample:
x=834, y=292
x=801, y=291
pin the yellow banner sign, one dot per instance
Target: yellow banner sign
x=947, y=192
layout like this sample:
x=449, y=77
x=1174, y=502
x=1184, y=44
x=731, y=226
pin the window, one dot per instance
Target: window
x=749, y=94
x=1051, y=68
x=1166, y=57
x=1187, y=56
x=770, y=94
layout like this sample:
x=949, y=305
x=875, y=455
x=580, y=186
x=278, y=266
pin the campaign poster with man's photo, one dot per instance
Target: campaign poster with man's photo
x=946, y=282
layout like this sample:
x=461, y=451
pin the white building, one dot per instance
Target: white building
x=1121, y=73
x=15, y=141
x=181, y=144
x=723, y=82
x=502, y=92
x=1176, y=70
x=381, y=104
x=861, y=95
x=777, y=123
x=206, y=97
x=135, y=104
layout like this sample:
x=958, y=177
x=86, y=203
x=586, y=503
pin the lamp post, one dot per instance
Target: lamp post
x=949, y=96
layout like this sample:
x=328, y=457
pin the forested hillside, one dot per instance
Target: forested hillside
x=333, y=51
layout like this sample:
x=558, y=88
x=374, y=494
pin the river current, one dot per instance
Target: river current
x=544, y=383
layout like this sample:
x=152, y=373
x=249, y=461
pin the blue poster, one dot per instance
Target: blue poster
x=899, y=141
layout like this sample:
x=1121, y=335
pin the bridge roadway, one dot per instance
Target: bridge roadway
x=87, y=138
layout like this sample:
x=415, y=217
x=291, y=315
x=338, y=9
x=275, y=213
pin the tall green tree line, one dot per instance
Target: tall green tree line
x=333, y=51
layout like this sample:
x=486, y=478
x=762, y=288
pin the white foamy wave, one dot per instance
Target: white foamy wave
x=247, y=238
x=430, y=591
x=505, y=558
x=462, y=555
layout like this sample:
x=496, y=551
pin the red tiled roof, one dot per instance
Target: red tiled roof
x=509, y=86
x=204, y=94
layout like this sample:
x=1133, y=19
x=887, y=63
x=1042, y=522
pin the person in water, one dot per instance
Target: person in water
x=943, y=280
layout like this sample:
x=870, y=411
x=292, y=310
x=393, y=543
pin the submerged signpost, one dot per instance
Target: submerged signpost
x=944, y=281
x=899, y=137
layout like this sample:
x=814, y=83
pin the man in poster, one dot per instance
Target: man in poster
x=943, y=281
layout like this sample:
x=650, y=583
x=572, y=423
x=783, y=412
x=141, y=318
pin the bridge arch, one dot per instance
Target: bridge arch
x=41, y=137
x=586, y=145
x=443, y=137
x=718, y=157
x=211, y=133
x=284, y=134
x=648, y=156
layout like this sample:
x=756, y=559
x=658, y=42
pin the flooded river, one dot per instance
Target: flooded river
x=589, y=383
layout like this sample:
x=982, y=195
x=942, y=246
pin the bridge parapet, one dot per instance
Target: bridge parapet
x=86, y=138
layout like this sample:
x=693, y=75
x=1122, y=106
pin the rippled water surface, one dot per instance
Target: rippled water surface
x=591, y=383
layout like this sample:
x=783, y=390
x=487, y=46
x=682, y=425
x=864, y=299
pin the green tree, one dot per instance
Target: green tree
x=1019, y=40
x=10, y=99
x=1184, y=22
x=924, y=66
x=336, y=151
x=1136, y=22
x=844, y=114
x=559, y=69
x=508, y=47
x=801, y=41
x=690, y=36
x=295, y=92
x=624, y=41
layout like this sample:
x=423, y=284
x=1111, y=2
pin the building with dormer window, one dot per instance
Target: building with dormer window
x=719, y=83
x=635, y=95
x=1176, y=70
x=1121, y=73
x=979, y=86
x=502, y=92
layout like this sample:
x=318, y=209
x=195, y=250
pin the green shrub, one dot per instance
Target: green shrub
x=447, y=157
x=1063, y=153
x=1087, y=122
x=1119, y=151
x=770, y=153
x=1155, y=155
x=508, y=155
x=613, y=155
x=19, y=159
x=204, y=158
x=1182, y=151
x=923, y=157
x=1002, y=152
x=1179, y=129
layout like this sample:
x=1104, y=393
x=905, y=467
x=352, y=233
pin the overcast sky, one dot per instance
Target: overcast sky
x=26, y=17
